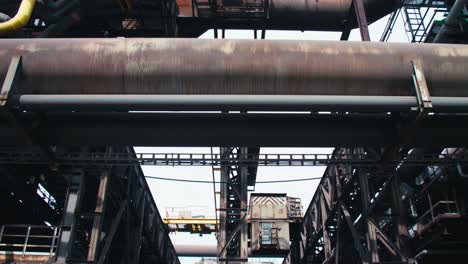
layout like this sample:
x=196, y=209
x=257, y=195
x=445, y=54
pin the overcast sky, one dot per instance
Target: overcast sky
x=177, y=194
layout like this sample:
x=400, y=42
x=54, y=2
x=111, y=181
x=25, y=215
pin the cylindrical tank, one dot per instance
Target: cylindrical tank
x=194, y=66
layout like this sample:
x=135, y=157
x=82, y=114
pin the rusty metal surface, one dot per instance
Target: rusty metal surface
x=324, y=14
x=183, y=66
x=264, y=206
x=10, y=257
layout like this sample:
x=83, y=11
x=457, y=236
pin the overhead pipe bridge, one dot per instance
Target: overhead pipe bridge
x=86, y=88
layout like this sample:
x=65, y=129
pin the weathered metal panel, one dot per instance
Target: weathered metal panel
x=280, y=236
x=269, y=222
x=268, y=206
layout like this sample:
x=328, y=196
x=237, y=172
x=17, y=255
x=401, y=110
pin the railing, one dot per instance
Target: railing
x=208, y=159
x=438, y=210
x=418, y=17
x=189, y=212
x=29, y=240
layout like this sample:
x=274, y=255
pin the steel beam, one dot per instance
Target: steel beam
x=400, y=218
x=371, y=235
x=301, y=130
x=233, y=232
x=29, y=156
x=74, y=197
x=361, y=19
x=99, y=213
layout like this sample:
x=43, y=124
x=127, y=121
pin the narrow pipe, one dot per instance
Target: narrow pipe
x=451, y=21
x=200, y=250
x=234, y=103
x=20, y=19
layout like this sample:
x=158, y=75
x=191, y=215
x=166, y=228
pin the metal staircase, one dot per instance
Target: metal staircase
x=418, y=17
x=414, y=23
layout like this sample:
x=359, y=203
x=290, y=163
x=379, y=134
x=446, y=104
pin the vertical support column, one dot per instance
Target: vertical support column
x=399, y=213
x=243, y=201
x=99, y=211
x=75, y=191
x=361, y=19
x=326, y=236
x=371, y=235
x=224, y=154
x=338, y=237
x=233, y=234
x=338, y=192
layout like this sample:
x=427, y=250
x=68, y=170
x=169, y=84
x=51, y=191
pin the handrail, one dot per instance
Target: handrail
x=431, y=210
x=20, y=19
x=11, y=236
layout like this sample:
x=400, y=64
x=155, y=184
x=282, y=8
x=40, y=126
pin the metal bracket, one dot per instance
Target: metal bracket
x=420, y=88
x=12, y=80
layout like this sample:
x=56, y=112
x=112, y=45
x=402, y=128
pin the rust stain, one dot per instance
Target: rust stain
x=185, y=8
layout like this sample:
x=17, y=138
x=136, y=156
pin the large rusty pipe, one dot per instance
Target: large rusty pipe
x=329, y=15
x=210, y=67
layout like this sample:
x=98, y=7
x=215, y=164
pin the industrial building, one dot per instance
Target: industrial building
x=84, y=82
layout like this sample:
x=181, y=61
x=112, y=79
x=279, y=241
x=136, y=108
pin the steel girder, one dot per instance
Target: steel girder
x=280, y=130
x=117, y=202
x=378, y=215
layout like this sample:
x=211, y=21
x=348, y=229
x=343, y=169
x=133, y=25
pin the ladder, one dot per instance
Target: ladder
x=414, y=23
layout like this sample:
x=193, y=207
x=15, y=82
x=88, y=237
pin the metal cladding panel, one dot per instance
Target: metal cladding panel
x=281, y=228
x=196, y=66
x=268, y=207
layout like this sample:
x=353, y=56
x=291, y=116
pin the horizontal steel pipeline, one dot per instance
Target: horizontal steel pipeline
x=234, y=103
x=328, y=15
x=199, y=66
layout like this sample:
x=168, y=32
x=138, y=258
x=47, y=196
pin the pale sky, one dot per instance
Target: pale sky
x=177, y=194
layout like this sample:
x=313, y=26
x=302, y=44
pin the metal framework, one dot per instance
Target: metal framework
x=418, y=18
x=233, y=230
x=229, y=159
x=382, y=199
x=103, y=214
x=377, y=215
